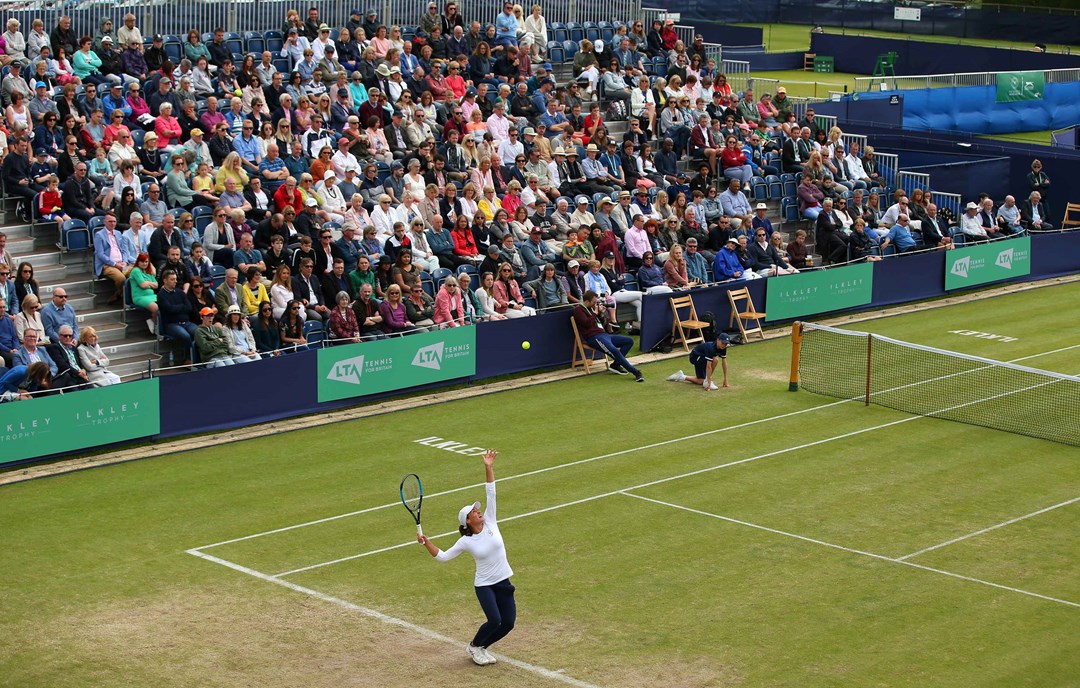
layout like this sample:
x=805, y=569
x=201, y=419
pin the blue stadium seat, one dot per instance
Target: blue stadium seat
x=426, y=283
x=234, y=42
x=790, y=209
x=629, y=281
x=776, y=187
x=75, y=236
x=659, y=66
x=570, y=48
x=759, y=188
x=173, y=48
x=592, y=31
x=282, y=65
x=790, y=185
x=439, y=275
x=314, y=333
x=274, y=41
x=577, y=33
x=560, y=35
x=607, y=30
x=255, y=42
x=217, y=276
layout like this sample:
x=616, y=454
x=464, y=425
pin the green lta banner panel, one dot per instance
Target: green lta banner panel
x=818, y=291
x=386, y=365
x=978, y=264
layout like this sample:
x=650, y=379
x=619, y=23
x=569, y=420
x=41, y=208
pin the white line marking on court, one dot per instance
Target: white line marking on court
x=393, y=620
x=581, y=462
x=677, y=477
x=615, y=492
x=854, y=551
x=530, y=473
x=987, y=530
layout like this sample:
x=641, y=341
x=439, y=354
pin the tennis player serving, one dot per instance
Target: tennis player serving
x=481, y=538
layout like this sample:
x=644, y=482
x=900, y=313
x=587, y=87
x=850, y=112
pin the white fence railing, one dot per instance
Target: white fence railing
x=909, y=181
x=737, y=72
x=849, y=139
x=269, y=15
x=949, y=201
x=907, y=83
x=888, y=166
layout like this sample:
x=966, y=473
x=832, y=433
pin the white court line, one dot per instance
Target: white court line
x=987, y=530
x=880, y=557
x=582, y=461
x=614, y=492
x=681, y=476
x=530, y=473
x=393, y=620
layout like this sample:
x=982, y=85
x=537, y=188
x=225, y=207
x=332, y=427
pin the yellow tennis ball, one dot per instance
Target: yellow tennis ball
x=525, y=345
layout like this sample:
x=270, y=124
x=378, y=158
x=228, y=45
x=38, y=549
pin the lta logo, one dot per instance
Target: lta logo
x=429, y=356
x=348, y=371
x=960, y=267
x=1004, y=259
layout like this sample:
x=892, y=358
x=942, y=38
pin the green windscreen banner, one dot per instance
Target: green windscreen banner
x=71, y=422
x=981, y=263
x=386, y=365
x=818, y=291
x=1016, y=86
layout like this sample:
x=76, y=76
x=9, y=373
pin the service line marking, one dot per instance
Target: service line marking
x=880, y=557
x=987, y=530
x=580, y=462
x=559, y=675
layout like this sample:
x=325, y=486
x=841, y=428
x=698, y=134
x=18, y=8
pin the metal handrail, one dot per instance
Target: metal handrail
x=906, y=83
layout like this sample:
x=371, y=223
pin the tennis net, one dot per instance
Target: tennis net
x=932, y=382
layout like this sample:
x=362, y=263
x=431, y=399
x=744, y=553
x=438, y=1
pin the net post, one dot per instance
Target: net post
x=796, y=348
x=869, y=346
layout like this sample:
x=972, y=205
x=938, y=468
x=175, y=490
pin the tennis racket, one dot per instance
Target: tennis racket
x=412, y=496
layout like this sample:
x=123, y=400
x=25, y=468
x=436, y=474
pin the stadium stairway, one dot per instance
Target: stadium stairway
x=129, y=347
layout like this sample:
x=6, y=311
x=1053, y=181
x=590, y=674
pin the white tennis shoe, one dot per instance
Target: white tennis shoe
x=677, y=376
x=476, y=654
x=488, y=657
x=709, y=386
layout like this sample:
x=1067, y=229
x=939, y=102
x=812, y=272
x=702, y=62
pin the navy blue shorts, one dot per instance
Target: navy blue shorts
x=701, y=365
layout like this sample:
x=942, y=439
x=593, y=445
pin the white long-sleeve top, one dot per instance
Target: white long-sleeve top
x=486, y=547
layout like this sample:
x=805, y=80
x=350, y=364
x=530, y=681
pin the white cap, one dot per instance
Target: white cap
x=464, y=513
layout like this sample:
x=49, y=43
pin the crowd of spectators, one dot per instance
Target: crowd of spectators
x=327, y=175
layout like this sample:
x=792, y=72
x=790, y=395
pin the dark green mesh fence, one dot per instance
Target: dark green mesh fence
x=942, y=384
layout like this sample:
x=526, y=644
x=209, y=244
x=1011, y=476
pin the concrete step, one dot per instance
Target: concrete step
x=100, y=316
x=21, y=246
x=39, y=259
x=16, y=231
x=111, y=333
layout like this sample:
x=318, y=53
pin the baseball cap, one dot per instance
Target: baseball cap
x=609, y=254
x=760, y=206
x=107, y=39
x=41, y=84
x=732, y=239
x=311, y=202
x=573, y=264
x=343, y=92
x=157, y=38
x=535, y=230
x=781, y=90
x=207, y=311
x=196, y=132
x=292, y=30
x=40, y=151
x=464, y=512
x=582, y=199
x=724, y=337
x=397, y=165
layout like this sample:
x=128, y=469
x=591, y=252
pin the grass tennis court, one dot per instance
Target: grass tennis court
x=660, y=536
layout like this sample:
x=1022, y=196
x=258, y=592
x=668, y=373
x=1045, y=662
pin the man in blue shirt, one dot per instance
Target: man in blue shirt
x=56, y=313
x=726, y=265
x=900, y=235
x=704, y=358
x=506, y=26
x=248, y=147
x=272, y=170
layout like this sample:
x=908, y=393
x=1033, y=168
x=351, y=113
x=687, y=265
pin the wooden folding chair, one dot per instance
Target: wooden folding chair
x=1067, y=221
x=743, y=317
x=680, y=325
x=584, y=355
